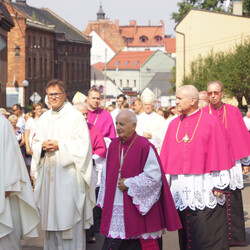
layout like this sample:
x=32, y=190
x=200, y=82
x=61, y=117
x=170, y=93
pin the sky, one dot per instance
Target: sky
x=79, y=12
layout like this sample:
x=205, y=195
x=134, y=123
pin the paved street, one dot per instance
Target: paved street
x=170, y=240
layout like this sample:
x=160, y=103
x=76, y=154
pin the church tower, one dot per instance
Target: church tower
x=100, y=13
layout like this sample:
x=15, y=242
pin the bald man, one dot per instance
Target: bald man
x=196, y=161
x=136, y=201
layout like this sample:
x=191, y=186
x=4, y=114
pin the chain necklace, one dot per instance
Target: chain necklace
x=96, y=118
x=224, y=119
x=121, y=161
x=185, y=138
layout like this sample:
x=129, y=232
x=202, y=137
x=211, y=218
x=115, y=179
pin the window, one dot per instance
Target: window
x=45, y=67
x=117, y=63
x=29, y=68
x=143, y=39
x=120, y=83
x=41, y=67
x=158, y=38
x=129, y=40
x=34, y=67
x=134, y=83
x=73, y=72
x=136, y=63
x=127, y=83
x=126, y=63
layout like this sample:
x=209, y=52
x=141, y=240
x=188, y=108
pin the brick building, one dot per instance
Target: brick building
x=43, y=46
x=6, y=24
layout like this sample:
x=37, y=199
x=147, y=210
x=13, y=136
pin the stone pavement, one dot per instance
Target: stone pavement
x=170, y=240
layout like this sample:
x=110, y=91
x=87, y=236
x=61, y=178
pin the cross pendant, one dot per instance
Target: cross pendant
x=185, y=138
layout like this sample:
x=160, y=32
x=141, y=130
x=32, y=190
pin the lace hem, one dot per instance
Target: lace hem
x=145, y=192
x=196, y=191
x=236, y=176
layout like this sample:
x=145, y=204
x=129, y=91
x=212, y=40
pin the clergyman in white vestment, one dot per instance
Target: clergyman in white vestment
x=64, y=191
x=18, y=213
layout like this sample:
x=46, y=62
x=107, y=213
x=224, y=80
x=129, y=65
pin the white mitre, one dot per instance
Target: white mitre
x=148, y=96
x=79, y=97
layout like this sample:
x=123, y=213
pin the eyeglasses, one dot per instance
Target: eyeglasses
x=213, y=92
x=13, y=110
x=56, y=95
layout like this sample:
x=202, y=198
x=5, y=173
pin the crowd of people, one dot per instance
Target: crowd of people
x=130, y=172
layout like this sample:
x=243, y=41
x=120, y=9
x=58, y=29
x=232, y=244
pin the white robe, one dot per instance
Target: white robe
x=64, y=191
x=151, y=123
x=18, y=212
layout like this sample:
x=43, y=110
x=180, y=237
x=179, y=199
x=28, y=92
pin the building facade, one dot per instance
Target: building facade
x=43, y=46
x=6, y=23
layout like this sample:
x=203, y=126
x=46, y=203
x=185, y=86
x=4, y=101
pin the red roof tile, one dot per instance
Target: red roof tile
x=99, y=66
x=137, y=32
x=170, y=45
x=129, y=59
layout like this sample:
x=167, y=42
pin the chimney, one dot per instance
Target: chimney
x=237, y=7
x=21, y=2
x=132, y=23
x=149, y=22
x=117, y=24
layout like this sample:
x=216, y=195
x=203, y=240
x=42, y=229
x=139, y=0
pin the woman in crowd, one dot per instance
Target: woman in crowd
x=18, y=131
x=30, y=131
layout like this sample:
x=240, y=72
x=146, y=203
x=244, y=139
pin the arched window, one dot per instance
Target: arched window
x=144, y=39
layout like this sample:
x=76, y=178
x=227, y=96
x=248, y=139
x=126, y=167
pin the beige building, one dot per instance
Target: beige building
x=201, y=31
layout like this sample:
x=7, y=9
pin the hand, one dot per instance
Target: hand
x=147, y=135
x=121, y=185
x=245, y=169
x=50, y=145
x=217, y=193
x=29, y=151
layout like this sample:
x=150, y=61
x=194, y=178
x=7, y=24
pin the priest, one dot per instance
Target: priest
x=135, y=197
x=232, y=120
x=196, y=159
x=64, y=189
x=149, y=122
x=98, y=116
x=18, y=212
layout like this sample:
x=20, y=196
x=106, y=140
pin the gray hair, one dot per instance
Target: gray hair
x=218, y=82
x=132, y=115
x=13, y=118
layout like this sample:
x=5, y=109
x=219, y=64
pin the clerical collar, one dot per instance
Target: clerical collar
x=58, y=110
x=92, y=110
x=193, y=112
x=219, y=107
x=129, y=140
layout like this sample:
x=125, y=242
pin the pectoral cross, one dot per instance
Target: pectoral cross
x=185, y=138
x=186, y=191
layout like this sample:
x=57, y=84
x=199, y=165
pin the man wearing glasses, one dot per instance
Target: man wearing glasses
x=64, y=189
x=17, y=110
x=232, y=120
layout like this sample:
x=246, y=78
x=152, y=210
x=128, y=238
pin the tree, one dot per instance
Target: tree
x=231, y=68
x=186, y=5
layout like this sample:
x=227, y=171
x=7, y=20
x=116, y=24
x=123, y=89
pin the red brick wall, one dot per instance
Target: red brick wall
x=16, y=38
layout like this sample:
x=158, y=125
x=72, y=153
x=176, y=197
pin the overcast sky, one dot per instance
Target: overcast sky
x=79, y=12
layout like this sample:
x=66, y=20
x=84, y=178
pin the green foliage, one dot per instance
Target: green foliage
x=186, y=5
x=231, y=68
x=246, y=7
x=33, y=16
x=173, y=81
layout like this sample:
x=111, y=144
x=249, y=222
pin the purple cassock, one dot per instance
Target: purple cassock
x=97, y=141
x=162, y=214
x=103, y=120
x=232, y=120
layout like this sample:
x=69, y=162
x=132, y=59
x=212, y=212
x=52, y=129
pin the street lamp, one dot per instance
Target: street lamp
x=25, y=85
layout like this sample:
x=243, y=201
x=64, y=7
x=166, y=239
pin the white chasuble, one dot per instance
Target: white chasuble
x=65, y=191
x=151, y=123
x=18, y=213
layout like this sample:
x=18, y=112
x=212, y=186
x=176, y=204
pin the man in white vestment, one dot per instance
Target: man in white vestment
x=18, y=213
x=64, y=191
x=149, y=122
